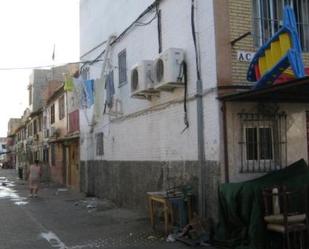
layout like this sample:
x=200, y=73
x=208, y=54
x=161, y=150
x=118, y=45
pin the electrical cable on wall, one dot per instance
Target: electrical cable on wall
x=134, y=23
x=195, y=42
x=184, y=77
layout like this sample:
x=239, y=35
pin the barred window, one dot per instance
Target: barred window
x=52, y=114
x=99, y=144
x=263, y=142
x=122, y=67
x=267, y=18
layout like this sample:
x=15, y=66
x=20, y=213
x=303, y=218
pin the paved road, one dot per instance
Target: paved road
x=61, y=220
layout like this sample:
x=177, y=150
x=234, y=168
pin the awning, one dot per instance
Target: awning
x=64, y=139
x=296, y=91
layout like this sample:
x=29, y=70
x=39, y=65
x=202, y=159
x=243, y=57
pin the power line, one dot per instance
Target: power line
x=44, y=66
x=91, y=62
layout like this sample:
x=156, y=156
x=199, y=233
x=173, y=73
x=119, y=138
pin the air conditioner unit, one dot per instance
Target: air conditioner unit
x=168, y=68
x=142, y=79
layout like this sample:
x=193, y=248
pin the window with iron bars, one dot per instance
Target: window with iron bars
x=262, y=142
x=267, y=19
x=100, y=144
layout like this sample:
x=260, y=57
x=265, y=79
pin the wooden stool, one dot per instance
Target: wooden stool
x=160, y=197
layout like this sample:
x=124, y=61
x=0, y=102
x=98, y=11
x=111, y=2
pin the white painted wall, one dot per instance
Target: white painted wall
x=151, y=130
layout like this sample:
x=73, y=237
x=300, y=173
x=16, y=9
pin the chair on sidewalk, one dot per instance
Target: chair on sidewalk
x=286, y=213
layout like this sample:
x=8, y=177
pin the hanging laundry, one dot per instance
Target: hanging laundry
x=68, y=84
x=78, y=93
x=110, y=89
x=88, y=91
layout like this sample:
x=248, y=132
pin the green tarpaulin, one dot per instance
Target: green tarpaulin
x=241, y=222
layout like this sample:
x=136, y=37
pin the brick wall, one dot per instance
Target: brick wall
x=240, y=12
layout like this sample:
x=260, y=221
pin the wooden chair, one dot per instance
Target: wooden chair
x=286, y=213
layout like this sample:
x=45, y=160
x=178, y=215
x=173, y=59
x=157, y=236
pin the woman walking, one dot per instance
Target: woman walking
x=34, y=177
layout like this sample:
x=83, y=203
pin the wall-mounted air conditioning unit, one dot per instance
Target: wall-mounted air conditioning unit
x=168, y=69
x=142, y=80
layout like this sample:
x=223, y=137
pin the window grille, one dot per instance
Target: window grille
x=99, y=144
x=52, y=114
x=267, y=19
x=263, y=142
x=122, y=67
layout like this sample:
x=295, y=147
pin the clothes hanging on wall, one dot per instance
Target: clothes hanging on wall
x=110, y=89
x=78, y=92
x=89, y=92
x=68, y=84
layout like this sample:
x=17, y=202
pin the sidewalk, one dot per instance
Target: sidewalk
x=64, y=219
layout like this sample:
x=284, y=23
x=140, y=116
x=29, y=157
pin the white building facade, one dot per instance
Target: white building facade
x=143, y=144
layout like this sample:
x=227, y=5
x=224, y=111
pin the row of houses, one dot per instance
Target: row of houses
x=170, y=102
x=49, y=127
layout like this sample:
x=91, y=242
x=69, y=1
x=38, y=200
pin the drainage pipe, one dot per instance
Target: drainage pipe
x=200, y=121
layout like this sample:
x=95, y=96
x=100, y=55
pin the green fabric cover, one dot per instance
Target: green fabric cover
x=241, y=223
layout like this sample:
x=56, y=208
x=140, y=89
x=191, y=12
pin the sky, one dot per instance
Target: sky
x=29, y=29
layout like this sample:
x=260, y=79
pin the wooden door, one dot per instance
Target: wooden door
x=74, y=165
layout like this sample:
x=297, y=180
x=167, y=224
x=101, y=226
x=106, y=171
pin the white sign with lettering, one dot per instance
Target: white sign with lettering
x=245, y=56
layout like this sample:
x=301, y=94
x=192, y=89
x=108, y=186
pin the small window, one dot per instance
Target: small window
x=29, y=128
x=122, y=67
x=61, y=108
x=40, y=123
x=99, y=144
x=259, y=143
x=30, y=95
x=52, y=114
x=263, y=142
x=45, y=155
x=44, y=122
x=35, y=128
x=53, y=154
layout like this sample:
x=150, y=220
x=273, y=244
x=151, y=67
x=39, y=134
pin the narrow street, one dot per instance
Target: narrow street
x=58, y=219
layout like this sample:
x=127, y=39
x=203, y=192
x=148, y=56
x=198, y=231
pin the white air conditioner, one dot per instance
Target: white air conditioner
x=142, y=79
x=168, y=69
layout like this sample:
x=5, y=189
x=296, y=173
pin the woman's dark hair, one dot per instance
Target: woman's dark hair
x=36, y=161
